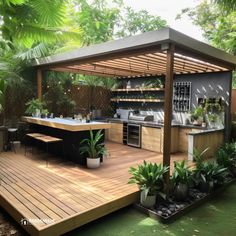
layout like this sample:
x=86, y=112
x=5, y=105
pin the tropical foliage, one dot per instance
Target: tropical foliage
x=56, y=98
x=149, y=177
x=93, y=146
x=32, y=24
x=134, y=22
x=217, y=19
x=182, y=173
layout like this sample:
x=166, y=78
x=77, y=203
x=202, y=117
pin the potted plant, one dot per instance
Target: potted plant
x=44, y=113
x=208, y=174
x=94, y=149
x=197, y=115
x=149, y=178
x=212, y=117
x=33, y=106
x=182, y=176
x=226, y=157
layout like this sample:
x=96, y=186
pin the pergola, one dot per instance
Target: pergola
x=163, y=52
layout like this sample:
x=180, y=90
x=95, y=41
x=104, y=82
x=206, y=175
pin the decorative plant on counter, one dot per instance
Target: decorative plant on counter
x=94, y=148
x=44, y=113
x=33, y=106
x=212, y=118
x=198, y=115
x=208, y=174
x=181, y=178
x=149, y=178
x=226, y=157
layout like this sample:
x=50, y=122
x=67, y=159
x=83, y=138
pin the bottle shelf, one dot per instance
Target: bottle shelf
x=136, y=100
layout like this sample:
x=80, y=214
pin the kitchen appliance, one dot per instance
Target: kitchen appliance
x=134, y=128
x=136, y=116
x=134, y=135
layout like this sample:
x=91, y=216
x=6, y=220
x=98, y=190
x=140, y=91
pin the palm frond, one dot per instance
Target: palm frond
x=29, y=34
x=37, y=51
x=15, y=2
x=51, y=13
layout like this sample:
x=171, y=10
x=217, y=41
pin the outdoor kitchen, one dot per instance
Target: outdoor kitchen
x=200, y=112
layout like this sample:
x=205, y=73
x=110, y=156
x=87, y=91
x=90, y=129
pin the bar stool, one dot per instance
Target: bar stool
x=12, y=135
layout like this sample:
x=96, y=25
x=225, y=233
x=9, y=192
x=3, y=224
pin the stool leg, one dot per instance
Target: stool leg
x=47, y=155
x=12, y=143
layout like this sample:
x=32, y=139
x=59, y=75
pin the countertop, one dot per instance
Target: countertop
x=155, y=124
x=67, y=124
x=206, y=131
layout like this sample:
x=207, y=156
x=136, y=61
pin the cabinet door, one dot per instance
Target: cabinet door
x=183, y=139
x=151, y=139
x=115, y=133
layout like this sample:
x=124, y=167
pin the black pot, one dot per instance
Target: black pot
x=233, y=171
x=206, y=187
x=181, y=192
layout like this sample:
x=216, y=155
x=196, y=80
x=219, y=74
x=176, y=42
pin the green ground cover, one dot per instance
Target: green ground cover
x=217, y=217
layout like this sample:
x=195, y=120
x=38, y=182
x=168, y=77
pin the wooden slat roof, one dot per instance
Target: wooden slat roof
x=141, y=55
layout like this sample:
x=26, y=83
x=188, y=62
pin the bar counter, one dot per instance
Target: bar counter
x=66, y=124
x=72, y=132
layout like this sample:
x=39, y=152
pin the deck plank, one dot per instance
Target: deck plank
x=68, y=194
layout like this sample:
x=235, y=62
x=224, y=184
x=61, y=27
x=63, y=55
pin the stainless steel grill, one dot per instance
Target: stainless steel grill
x=136, y=116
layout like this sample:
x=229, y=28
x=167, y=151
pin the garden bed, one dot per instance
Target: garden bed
x=167, y=212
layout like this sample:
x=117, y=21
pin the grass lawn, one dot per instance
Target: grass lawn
x=218, y=217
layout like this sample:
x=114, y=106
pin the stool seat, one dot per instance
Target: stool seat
x=12, y=130
x=48, y=139
x=35, y=135
x=12, y=136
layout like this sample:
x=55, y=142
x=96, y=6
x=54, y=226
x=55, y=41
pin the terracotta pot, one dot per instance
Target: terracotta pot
x=181, y=192
x=149, y=201
x=93, y=163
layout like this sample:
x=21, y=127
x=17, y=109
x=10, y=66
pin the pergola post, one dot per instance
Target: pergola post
x=39, y=83
x=168, y=109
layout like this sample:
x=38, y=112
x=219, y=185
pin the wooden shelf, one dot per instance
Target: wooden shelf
x=135, y=100
x=138, y=89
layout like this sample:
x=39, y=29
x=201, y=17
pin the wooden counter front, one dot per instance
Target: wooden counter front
x=212, y=140
x=64, y=124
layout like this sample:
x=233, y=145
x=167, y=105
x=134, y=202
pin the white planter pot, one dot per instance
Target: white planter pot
x=149, y=201
x=93, y=163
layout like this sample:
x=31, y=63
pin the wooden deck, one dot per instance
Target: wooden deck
x=64, y=196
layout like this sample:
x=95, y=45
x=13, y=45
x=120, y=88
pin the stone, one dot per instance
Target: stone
x=172, y=209
x=169, y=212
x=13, y=232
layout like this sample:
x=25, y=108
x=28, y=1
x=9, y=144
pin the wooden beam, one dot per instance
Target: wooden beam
x=168, y=109
x=39, y=83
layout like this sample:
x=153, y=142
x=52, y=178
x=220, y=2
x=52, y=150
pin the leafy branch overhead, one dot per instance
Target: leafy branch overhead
x=217, y=20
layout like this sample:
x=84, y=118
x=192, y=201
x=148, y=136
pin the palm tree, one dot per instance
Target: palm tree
x=32, y=24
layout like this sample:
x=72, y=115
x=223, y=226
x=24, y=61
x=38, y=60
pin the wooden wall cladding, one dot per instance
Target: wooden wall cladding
x=211, y=140
x=85, y=97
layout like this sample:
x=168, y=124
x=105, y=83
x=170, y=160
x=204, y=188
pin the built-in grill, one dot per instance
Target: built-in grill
x=134, y=129
x=136, y=116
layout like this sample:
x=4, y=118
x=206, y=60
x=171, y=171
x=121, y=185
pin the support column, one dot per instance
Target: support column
x=39, y=83
x=168, y=109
